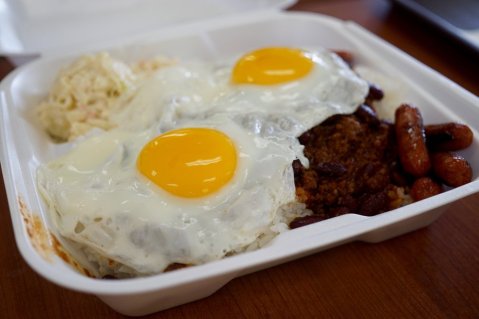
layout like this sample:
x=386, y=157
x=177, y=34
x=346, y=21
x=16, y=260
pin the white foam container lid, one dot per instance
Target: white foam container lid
x=32, y=27
x=209, y=40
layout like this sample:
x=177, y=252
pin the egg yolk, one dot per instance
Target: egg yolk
x=189, y=162
x=271, y=66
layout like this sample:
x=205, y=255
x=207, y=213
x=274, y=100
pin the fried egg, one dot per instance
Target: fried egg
x=298, y=88
x=190, y=195
x=285, y=83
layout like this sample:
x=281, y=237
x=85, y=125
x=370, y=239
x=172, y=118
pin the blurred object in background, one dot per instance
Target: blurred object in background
x=459, y=18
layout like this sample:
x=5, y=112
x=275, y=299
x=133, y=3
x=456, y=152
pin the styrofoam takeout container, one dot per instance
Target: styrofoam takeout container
x=210, y=40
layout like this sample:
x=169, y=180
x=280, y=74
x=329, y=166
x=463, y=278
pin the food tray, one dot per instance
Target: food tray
x=24, y=146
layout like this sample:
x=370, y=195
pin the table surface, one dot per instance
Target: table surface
x=429, y=273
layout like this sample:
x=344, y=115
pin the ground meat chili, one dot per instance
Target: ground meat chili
x=359, y=163
x=352, y=165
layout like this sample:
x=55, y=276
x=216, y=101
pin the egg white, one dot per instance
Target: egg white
x=173, y=93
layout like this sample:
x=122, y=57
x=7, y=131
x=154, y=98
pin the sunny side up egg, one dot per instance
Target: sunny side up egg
x=219, y=188
x=200, y=164
x=303, y=87
x=293, y=86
